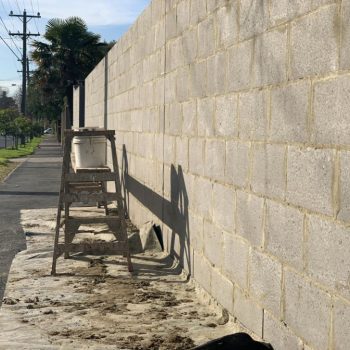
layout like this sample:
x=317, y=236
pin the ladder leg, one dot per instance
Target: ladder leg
x=105, y=204
x=58, y=224
x=121, y=209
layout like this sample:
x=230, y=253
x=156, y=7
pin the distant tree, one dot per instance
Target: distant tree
x=6, y=101
x=7, y=123
x=67, y=55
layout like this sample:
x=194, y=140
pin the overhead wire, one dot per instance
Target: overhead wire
x=31, y=2
x=8, y=32
x=9, y=47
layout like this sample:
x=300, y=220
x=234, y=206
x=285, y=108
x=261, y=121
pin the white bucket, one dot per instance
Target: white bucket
x=90, y=151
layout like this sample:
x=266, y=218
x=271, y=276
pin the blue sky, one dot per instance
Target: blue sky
x=109, y=18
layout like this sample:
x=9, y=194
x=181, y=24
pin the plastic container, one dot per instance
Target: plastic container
x=89, y=151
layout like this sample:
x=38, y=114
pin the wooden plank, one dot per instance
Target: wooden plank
x=93, y=247
x=90, y=197
x=73, y=133
x=94, y=220
x=90, y=177
x=101, y=169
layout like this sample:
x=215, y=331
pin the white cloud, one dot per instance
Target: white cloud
x=94, y=12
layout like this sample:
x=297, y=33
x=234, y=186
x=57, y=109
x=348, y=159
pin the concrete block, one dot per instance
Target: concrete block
x=268, y=171
x=254, y=18
x=222, y=290
x=173, y=119
x=344, y=187
x=248, y=313
x=237, y=163
x=235, y=263
x=307, y=310
x=270, y=58
x=328, y=254
x=196, y=156
x=189, y=45
x=285, y=10
x=253, y=115
x=227, y=24
x=170, y=88
x=189, y=118
x=341, y=325
x=183, y=16
x=198, y=11
x=318, y=3
x=279, y=335
x=284, y=231
x=265, y=281
x=169, y=149
x=202, y=197
x=240, y=64
x=205, y=116
x=202, y=271
x=314, y=43
x=195, y=232
x=216, y=74
x=198, y=79
x=215, y=159
x=182, y=84
x=289, y=112
x=331, y=98
x=213, y=247
x=223, y=207
x=345, y=37
x=171, y=25
x=310, y=178
x=226, y=115
x=206, y=37
x=182, y=152
x=250, y=212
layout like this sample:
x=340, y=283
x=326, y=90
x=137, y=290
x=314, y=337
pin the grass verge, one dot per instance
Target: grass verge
x=5, y=154
x=29, y=148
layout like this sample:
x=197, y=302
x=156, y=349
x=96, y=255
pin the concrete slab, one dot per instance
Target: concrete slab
x=94, y=303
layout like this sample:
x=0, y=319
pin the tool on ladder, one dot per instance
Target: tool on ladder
x=83, y=185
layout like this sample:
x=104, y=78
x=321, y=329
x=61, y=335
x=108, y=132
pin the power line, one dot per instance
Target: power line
x=9, y=47
x=36, y=26
x=8, y=2
x=3, y=23
x=18, y=6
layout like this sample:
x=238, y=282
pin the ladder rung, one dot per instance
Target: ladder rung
x=96, y=248
x=93, y=220
x=89, y=133
x=93, y=177
x=90, y=197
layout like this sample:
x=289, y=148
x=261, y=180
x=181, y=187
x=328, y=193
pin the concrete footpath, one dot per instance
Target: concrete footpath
x=93, y=302
x=34, y=184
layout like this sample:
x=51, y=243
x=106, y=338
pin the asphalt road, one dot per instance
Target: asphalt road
x=2, y=141
x=33, y=185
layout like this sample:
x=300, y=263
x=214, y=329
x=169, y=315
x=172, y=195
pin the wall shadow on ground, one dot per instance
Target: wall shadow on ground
x=172, y=213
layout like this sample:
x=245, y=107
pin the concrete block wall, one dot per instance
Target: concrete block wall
x=232, y=121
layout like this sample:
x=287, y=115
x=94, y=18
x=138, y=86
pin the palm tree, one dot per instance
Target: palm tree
x=68, y=55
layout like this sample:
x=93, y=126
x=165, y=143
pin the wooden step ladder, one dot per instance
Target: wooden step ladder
x=89, y=185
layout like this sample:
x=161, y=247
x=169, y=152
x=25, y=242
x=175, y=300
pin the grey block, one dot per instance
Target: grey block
x=328, y=254
x=314, y=48
x=310, y=178
x=307, y=310
x=265, y=281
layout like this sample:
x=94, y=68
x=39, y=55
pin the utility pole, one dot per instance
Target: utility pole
x=25, y=18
